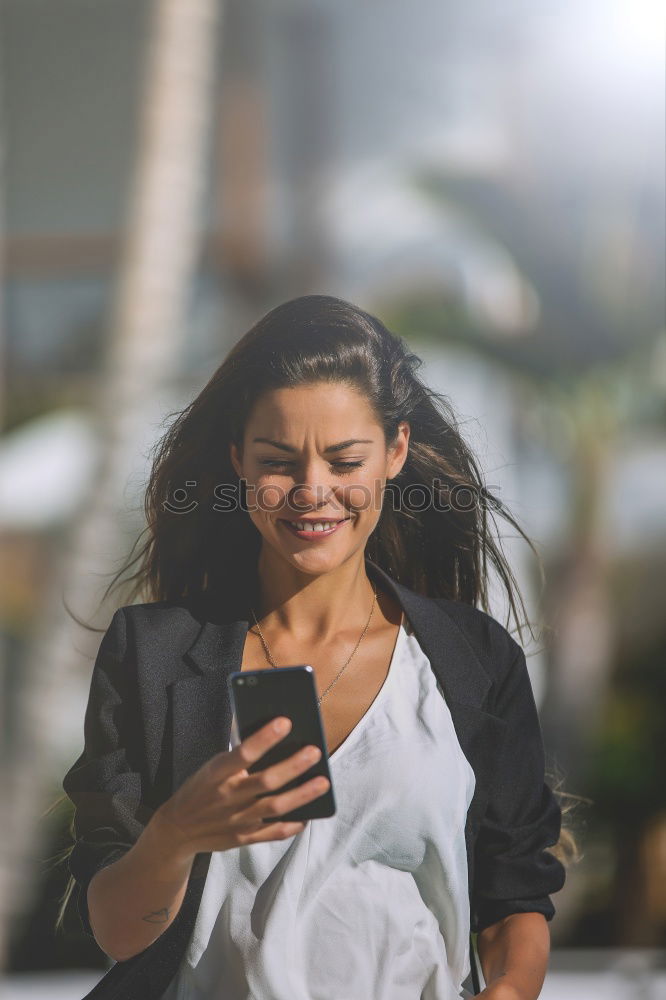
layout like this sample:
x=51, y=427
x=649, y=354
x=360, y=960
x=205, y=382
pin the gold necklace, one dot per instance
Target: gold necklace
x=335, y=679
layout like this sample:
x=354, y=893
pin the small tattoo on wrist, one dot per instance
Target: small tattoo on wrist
x=157, y=916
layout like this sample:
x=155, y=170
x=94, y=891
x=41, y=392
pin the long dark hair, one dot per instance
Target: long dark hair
x=434, y=551
x=434, y=536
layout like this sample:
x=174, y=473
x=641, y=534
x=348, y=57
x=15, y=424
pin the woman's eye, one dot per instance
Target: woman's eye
x=275, y=463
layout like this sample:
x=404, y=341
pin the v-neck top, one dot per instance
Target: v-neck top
x=370, y=902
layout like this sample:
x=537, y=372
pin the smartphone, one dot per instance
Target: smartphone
x=259, y=696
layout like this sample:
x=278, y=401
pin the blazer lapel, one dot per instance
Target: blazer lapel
x=455, y=663
x=200, y=704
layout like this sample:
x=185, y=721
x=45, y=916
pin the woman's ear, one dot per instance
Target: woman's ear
x=398, y=451
x=236, y=458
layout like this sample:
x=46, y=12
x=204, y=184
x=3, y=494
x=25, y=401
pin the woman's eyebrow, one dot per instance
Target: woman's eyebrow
x=332, y=447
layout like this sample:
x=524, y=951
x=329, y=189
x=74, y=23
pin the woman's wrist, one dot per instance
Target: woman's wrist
x=133, y=901
x=167, y=840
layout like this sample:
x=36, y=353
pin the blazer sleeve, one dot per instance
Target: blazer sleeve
x=104, y=783
x=514, y=871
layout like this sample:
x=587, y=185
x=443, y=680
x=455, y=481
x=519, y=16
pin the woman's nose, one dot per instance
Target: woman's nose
x=312, y=489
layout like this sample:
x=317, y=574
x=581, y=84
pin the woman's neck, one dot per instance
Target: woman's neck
x=312, y=607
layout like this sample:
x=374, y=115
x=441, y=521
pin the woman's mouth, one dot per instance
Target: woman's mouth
x=312, y=531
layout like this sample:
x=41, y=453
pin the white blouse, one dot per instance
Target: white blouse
x=369, y=903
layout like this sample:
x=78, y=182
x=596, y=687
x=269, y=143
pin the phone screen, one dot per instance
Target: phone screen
x=258, y=696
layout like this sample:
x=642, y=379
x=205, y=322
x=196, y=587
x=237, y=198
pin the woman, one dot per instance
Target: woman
x=443, y=818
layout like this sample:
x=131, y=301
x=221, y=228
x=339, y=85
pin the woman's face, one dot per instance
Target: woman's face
x=316, y=453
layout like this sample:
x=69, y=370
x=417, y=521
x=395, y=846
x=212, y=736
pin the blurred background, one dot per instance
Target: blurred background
x=488, y=179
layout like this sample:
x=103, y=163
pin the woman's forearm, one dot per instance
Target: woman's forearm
x=514, y=956
x=134, y=900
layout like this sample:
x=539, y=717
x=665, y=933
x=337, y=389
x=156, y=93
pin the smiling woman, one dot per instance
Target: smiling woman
x=359, y=538
x=314, y=497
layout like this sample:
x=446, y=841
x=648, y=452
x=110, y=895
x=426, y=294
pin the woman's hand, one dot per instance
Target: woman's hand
x=217, y=807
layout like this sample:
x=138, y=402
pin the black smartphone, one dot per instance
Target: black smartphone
x=259, y=696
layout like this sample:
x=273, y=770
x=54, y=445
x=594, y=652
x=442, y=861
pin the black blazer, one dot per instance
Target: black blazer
x=159, y=708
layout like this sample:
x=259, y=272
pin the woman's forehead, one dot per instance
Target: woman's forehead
x=336, y=409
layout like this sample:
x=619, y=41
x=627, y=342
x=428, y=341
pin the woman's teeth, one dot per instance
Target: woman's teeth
x=317, y=526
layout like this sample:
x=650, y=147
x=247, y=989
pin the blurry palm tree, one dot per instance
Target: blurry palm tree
x=161, y=246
